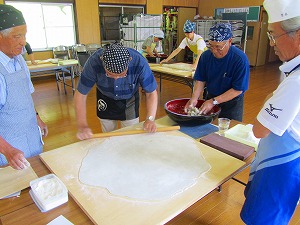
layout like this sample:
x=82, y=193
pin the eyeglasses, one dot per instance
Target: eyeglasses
x=217, y=47
x=272, y=37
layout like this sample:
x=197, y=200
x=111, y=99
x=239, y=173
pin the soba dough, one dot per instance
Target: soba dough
x=143, y=167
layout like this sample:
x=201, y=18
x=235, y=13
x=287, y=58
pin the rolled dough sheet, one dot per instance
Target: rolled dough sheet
x=149, y=167
x=179, y=66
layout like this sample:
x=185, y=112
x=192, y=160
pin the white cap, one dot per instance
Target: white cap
x=159, y=34
x=279, y=10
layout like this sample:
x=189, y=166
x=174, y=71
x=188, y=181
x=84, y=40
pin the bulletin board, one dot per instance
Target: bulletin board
x=253, y=12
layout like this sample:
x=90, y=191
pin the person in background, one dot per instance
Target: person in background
x=194, y=41
x=29, y=51
x=117, y=72
x=225, y=71
x=273, y=190
x=151, y=43
x=20, y=124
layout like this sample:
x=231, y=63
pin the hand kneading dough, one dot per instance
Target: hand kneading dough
x=143, y=167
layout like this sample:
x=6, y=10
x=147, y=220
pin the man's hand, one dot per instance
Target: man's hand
x=84, y=133
x=149, y=126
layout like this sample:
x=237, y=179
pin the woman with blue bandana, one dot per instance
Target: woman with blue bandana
x=273, y=190
x=224, y=70
x=194, y=41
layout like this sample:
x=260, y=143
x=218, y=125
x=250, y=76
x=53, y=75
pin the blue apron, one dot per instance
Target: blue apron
x=18, y=123
x=273, y=190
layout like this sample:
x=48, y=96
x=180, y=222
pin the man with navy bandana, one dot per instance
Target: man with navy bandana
x=20, y=136
x=225, y=71
x=117, y=72
x=273, y=190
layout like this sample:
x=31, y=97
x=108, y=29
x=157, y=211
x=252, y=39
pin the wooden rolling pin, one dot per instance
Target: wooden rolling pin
x=129, y=132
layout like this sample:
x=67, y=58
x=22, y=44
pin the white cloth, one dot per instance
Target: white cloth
x=279, y=10
x=200, y=44
x=282, y=111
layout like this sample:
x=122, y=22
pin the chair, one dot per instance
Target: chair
x=91, y=48
x=80, y=53
x=61, y=53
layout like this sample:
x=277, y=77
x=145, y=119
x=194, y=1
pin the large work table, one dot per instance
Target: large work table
x=111, y=210
x=177, y=72
x=61, y=67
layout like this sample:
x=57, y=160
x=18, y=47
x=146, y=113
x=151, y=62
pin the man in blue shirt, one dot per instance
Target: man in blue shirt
x=224, y=70
x=117, y=73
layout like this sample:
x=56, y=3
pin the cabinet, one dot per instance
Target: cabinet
x=170, y=19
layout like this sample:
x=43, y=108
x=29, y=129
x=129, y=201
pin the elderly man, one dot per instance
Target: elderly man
x=273, y=189
x=20, y=135
x=117, y=72
x=224, y=70
x=194, y=41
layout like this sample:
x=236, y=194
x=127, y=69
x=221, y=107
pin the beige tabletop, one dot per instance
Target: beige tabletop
x=103, y=208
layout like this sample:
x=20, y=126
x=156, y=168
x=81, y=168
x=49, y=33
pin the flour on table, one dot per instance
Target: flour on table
x=144, y=166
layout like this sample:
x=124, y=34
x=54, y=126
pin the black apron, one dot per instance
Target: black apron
x=108, y=108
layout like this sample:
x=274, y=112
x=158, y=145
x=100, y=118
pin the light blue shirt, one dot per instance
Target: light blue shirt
x=12, y=65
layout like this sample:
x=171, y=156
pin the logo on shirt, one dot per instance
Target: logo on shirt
x=271, y=109
x=102, y=105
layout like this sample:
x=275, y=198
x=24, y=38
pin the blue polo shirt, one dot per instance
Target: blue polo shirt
x=220, y=75
x=138, y=74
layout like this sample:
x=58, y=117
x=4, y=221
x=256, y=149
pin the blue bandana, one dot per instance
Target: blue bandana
x=189, y=27
x=220, y=32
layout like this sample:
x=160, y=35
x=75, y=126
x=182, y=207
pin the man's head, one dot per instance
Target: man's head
x=115, y=60
x=12, y=31
x=159, y=35
x=284, y=27
x=220, y=37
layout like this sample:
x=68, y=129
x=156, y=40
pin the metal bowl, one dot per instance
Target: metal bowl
x=175, y=110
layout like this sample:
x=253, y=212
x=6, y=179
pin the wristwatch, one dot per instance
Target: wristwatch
x=151, y=118
x=215, y=102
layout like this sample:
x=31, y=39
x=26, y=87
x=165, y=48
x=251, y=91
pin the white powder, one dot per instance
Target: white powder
x=47, y=188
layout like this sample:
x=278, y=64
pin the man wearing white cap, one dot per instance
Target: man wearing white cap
x=151, y=43
x=117, y=72
x=273, y=189
x=20, y=136
x=193, y=41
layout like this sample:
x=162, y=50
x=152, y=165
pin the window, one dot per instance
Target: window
x=110, y=20
x=48, y=24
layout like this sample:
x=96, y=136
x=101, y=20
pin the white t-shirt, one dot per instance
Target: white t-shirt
x=200, y=44
x=282, y=111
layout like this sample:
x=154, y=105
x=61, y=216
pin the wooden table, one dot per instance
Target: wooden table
x=22, y=210
x=173, y=74
x=61, y=66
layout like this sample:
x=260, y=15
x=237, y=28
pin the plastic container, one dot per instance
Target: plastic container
x=48, y=192
x=243, y=134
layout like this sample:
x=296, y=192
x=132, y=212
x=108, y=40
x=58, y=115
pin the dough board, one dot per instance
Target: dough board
x=105, y=208
x=12, y=180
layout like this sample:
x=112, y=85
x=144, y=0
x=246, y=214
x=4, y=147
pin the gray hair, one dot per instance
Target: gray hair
x=6, y=32
x=291, y=25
